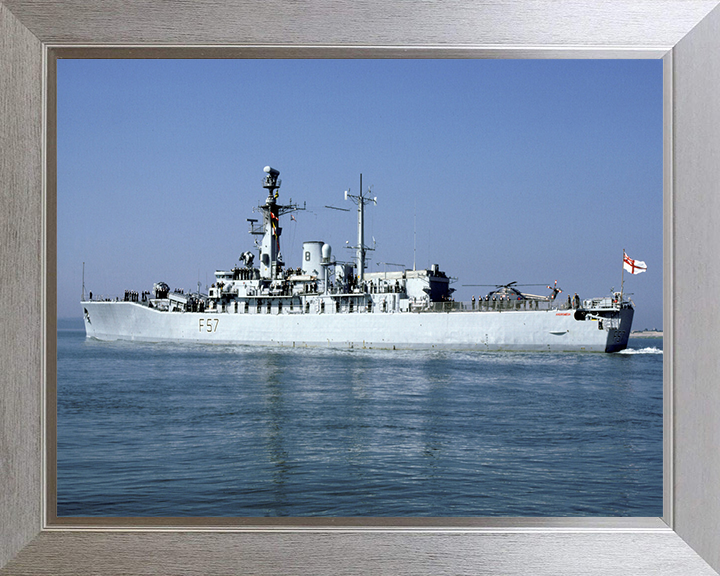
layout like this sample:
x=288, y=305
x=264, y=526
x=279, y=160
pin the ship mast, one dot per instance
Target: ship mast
x=270, y=262
x=361, y=249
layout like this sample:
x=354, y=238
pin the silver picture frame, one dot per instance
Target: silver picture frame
x=684, y=33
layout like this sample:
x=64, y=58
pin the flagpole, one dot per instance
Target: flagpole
x=622, y=277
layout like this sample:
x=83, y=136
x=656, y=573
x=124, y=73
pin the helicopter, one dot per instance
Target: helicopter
x=510, y=291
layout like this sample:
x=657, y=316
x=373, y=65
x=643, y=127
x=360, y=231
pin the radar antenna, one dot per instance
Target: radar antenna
x=270, y=258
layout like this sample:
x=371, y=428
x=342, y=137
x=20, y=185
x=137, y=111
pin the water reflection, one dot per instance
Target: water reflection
x=241, y=431
x=273, y=378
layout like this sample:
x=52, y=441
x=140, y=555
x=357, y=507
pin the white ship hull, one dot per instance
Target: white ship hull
x=520, y=330
x=326, y=302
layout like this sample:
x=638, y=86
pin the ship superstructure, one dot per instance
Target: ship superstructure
x=327, y=302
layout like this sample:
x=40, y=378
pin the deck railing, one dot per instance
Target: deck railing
x=494, y=305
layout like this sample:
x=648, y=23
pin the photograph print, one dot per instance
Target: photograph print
x=359, y=288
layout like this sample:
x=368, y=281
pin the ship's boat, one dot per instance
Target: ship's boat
x=326, y=302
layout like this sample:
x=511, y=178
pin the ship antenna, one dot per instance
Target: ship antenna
x=361, y=234
x=414, y=232
x=83, y=283
x=361, y=249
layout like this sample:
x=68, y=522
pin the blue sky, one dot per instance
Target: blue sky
x=501, y=170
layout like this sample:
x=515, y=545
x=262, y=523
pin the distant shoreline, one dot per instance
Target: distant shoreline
x=646, y=334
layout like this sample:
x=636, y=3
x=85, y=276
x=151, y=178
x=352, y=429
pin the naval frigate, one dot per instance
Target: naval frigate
x=326, y=302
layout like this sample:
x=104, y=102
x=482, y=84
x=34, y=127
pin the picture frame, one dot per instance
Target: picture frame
x=684, y=33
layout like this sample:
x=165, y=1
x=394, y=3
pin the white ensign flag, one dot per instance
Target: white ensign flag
x=633, y=266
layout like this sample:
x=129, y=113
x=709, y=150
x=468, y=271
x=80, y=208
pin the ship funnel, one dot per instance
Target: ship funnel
x=312, y=257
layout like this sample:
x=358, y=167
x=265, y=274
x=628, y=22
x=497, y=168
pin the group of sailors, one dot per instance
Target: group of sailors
x=130, y=296
x=245, y=273
x=494, y=298
x=372, y=288
x=572, y=301
x=502, y=301
x=196, y=305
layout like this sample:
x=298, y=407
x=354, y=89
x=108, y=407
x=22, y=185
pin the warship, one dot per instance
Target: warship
x=327, y=302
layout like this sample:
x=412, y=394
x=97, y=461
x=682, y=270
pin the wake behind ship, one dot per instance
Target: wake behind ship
x=326, y=302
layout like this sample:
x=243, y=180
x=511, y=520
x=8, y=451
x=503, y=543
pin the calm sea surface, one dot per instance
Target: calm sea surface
x=197, y=430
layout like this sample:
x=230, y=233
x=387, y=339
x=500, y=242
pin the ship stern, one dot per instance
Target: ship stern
x=619, y=335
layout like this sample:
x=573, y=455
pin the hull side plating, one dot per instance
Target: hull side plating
x=535, y=330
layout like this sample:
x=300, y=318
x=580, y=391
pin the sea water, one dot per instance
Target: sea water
x=200, y=430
